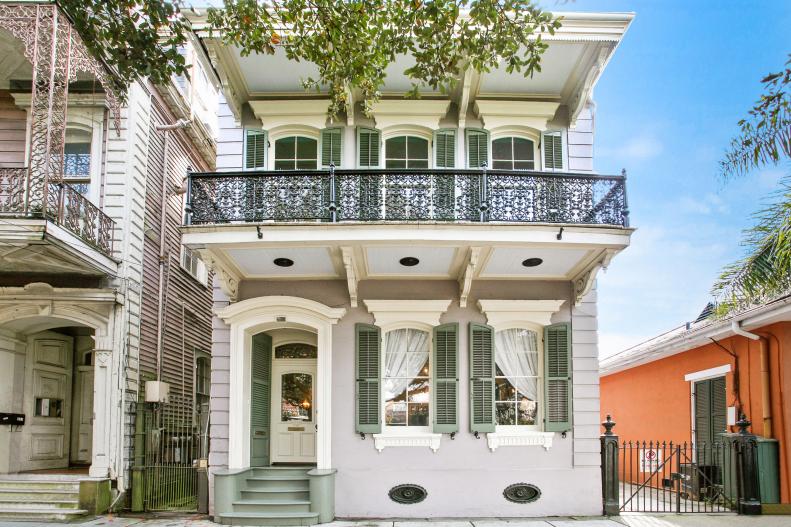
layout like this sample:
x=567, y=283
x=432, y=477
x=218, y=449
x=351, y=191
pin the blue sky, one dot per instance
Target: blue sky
x=667, y=106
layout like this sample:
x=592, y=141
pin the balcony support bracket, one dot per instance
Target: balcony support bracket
x=583, y=282
x=351, y=273
x=229, y=280
x=468, y=272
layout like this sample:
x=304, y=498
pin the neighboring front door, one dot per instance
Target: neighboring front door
x=82, y=410
x=48, y=379
x=293, y=411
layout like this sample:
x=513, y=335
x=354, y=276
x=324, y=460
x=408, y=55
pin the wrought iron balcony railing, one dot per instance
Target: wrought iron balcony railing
x=403, y=195
x=58, y=202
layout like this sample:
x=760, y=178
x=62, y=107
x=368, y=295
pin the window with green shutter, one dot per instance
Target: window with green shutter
x=477, y=148
x=481, y=344
x=445, y=148
x=368, y=141
x=260, y=398
x=710, y=410
x=367, y=344
x=553, y=151
x=255, y=144
x=557, y=377
x=446, y=379
x=331, y=146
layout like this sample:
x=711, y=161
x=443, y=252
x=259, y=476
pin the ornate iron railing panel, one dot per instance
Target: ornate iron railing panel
x=64, y=205
x=407, y=195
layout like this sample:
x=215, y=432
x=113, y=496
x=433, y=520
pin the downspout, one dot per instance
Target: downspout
x=167, y=128
x=766, y=394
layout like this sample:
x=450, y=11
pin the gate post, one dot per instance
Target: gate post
x=747, y=469
x=609, y=469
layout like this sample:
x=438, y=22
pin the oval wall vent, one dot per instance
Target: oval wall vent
x=407, y=494
x=522, y=493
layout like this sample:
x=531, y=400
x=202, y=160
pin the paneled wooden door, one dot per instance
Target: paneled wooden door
x=293, y=411
x=47, y=402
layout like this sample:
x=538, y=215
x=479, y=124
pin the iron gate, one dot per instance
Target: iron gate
x=175, y=438
x=679, y=478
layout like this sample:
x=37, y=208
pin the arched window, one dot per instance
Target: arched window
x=513, y=153
x=407, y=378
x=296, y=152
x=517, y=377
x=406, y=151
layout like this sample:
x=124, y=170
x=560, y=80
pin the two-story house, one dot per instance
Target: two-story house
x=97, y=296
x=405, y=301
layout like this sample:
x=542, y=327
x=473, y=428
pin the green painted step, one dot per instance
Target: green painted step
x=275, y=494
x=275, y=518
x=284, y=482
x=38, y=494
x=245, y=505
x=42, y=514
x=23, y=503
x=39, y=485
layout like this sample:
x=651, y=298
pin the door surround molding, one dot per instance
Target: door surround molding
x=265, y=313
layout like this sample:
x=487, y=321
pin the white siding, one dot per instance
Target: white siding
x=580, y=142
x=230, y=143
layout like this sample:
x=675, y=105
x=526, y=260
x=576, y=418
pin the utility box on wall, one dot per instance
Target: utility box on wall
x=157, y=392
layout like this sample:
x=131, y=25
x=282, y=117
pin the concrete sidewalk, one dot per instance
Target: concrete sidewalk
x=670, y=520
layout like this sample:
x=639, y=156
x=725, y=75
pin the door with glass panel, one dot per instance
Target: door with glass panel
x=293, y=403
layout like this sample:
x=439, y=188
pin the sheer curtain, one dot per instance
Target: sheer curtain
x=402, y=359
x=516, y=354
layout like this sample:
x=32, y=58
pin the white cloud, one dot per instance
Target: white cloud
x=705, y=205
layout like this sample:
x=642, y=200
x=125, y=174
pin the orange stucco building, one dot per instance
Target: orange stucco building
x=650, y=389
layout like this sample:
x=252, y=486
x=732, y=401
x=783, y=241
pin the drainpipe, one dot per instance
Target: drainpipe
x=766, y=395
x=167, y=128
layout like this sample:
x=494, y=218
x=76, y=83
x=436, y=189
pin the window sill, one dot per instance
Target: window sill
x=381, y=441
x=526, y=438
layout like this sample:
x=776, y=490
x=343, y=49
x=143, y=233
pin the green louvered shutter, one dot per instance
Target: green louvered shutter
x=481, y=378
x=260, y=399
x=254, y=149
x=331, y=141
x=445, y=149
x=719, y=408
x=477, y=148
x=710, y=410
x=368, y=145
x=557, y=377
x=367, y=343
x=553, y=151
x=446, y=379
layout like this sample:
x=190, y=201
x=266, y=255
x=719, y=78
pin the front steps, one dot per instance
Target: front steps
x=273, y=496
x=40, y=498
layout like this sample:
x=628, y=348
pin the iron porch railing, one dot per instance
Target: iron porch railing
x=58, y=202
x=406, y=195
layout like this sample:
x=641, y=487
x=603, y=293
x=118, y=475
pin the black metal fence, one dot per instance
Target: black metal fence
x=407, y=195
x=670, y=477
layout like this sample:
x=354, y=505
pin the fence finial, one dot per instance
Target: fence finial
x=743, y=423
x=608, y=425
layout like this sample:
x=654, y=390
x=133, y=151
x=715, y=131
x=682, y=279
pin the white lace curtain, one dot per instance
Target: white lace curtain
x=406, y=352
x=516, y=354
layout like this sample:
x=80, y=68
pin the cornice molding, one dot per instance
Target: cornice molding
x=389, y=314
x=505, y=313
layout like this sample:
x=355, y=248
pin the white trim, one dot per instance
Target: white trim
x=307, y=112
x=424, y=113
x=501, y=314
x=522, y=438
x=711, y=373
x=259, y=314
x=381, y=441
x=393, y=314
x=523, y=114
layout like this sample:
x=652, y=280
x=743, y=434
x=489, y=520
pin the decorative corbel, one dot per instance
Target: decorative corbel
x=229, y=281
x=583, y=94
x=468, y=271
x=349, y=105
x=583, y=283
x=351, y=273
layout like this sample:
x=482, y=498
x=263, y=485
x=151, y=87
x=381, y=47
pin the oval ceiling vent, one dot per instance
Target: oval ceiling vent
x=407, y=494
x=522, y=493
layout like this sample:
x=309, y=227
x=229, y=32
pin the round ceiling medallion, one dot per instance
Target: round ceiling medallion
x=407, y=494
x=532, y=262
x=522, y=493
x=409, y=261
x=283, y=262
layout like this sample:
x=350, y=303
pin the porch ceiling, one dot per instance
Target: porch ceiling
x=360, y=252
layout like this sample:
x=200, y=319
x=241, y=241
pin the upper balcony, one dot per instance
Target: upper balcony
x=407, y=195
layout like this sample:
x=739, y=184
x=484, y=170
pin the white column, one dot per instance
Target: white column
x=102, y=408
x=349, y=147
x=239, y=399
x=324, y=398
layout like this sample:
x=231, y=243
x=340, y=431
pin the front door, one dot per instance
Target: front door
x=293, y=411
x=48, y=379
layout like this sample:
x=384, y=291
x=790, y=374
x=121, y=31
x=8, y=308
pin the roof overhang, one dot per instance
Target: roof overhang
x=681, y=339
x=577, y=55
